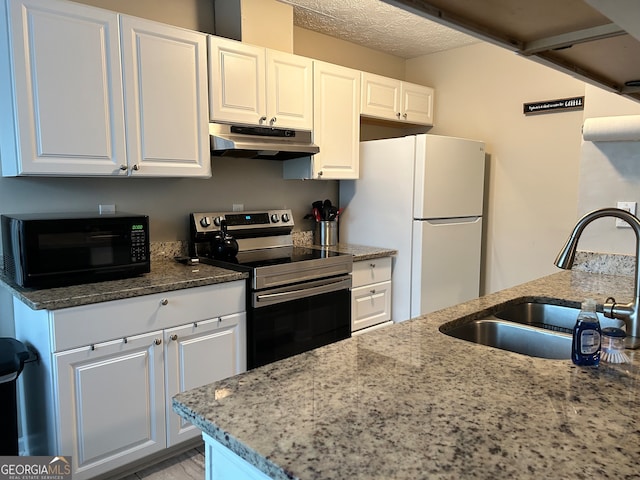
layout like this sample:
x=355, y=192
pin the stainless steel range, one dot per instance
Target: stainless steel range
x=299, y=296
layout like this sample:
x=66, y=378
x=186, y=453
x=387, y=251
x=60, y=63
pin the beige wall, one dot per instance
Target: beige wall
x=533, y=160
x=191, y=14
x=609, y=173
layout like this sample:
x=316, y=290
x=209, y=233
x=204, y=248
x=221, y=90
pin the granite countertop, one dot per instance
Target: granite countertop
x=359, y=252
x=166, y=275
x=408, y=402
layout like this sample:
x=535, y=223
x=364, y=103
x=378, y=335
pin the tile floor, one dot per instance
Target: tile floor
x=188, y=466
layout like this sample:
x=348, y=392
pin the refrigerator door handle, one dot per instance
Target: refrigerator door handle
x=449, y=221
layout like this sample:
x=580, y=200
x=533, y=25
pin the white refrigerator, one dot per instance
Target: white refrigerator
x=421, y=195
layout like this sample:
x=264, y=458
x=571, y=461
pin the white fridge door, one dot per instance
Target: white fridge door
x=449, y=177
x=446, y=263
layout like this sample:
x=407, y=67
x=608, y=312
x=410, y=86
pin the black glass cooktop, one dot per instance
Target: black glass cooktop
x=272, y=256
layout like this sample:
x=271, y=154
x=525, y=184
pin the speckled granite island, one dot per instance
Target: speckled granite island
x=408, y=402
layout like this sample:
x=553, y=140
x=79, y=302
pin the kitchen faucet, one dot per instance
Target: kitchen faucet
x=627, y=312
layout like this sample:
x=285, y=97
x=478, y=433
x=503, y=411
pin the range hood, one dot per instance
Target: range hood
x=246, y=141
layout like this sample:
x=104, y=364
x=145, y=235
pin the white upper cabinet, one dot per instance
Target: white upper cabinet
x=61, y=90
x=336, y=126
x=62, y=94
x=336, y=121
x=167, y=116
x=391, y=99
x=257, y=86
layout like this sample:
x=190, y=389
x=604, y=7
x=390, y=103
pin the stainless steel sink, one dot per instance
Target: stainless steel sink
x=532, y=341
x=535, y=329
x=550, y=317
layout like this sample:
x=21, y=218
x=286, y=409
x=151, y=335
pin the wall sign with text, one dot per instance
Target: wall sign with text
x=547, y=106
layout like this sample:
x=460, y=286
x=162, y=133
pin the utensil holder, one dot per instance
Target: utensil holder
x=326, y=232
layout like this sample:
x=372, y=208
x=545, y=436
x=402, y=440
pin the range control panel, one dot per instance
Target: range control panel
x=239, y=221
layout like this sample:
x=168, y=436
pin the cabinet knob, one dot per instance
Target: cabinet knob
x=174, y=337
x=372, y=291
x=398, y=114
x=164, y=301
x=263, y=119
x=93, y=347
x=320, y=173
x=125, y=340
x=195, y=324
x=273, y=120
x=123, y=167
x=404, y=115
x=158, y=341
x=372, y=265
x=135, y=167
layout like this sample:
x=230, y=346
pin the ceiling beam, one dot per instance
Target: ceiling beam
x=569, y=39
x=425, y=9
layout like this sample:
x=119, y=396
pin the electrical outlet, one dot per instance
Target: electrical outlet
x=107, y=209
x=629, y=207
x=238, y=207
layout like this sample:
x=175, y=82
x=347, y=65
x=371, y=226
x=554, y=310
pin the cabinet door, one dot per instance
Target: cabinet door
x=370, y=305
x=289, y=90
x=236, y=82
x=110, y=403
x=68, y=90
x=336, y=112
x=417, y=103
x=167, y=102
x=198, y=354
x=380, y=97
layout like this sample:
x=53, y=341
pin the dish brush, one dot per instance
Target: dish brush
x=614, y=356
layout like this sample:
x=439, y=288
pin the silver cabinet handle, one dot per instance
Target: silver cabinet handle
x=135, y=167
x=123, y=167
x=174, y=337
x=164, y=301
x=262, y=119
x=273, y=120
x=158, y=341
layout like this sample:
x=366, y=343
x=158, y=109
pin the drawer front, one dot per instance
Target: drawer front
x=99, y=322
x=370, y=305
x=371, y=271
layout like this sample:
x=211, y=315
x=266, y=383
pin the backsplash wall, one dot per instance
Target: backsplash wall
x=168, y=201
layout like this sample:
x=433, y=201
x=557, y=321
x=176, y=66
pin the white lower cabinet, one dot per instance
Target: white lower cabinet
x=370, y=293
x=102, y=389
x=197, y=354
x=111, y=402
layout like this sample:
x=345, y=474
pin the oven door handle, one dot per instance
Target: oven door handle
x=289, y=295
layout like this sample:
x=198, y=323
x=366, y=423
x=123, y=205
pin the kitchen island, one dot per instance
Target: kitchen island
x=408, y=402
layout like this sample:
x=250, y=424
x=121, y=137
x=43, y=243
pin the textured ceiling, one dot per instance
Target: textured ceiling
x=377, y=25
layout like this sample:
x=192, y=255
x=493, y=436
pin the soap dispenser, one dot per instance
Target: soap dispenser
x=585, y=347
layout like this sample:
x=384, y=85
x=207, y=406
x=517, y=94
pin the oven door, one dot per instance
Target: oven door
x=286, y=321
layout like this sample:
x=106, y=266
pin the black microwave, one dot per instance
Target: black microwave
x=51, y=250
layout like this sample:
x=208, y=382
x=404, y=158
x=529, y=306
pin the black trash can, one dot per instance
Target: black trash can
x=13, y=354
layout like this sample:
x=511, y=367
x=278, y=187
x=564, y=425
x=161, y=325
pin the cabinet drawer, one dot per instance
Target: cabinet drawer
x=371, y=271
x=99, y=322
x=370, y=305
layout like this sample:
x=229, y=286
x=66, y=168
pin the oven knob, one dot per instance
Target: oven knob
x=205, y=222
x=275, y=218
x=285, y=217
x=216, y=221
